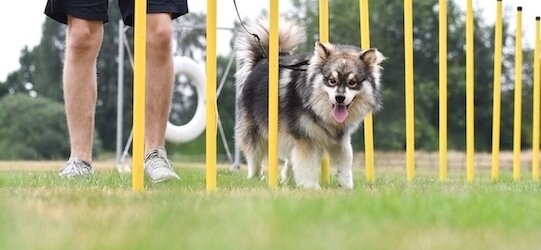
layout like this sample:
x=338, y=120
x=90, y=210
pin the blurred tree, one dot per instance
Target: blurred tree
x=190, y=36
x=21, y=81
x=33, y=128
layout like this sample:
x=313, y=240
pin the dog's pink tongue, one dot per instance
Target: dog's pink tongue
x=339, y=113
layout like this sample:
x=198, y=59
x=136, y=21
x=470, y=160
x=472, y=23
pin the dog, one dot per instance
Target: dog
x=323, y=99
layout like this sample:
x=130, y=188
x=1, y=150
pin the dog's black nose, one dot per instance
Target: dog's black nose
x=340, y=98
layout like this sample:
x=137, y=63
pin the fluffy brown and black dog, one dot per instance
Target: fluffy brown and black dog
x=320, y=104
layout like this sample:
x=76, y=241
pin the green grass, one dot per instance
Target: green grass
x=40, y=211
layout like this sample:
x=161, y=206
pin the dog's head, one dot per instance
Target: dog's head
x=349, y=77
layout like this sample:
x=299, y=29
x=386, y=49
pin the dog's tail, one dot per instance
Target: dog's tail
x=249, y=50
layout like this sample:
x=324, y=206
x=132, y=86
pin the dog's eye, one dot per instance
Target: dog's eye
x=352, y=83
x=332, y=81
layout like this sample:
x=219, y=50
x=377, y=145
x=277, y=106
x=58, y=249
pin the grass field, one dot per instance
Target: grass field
x=40, y=211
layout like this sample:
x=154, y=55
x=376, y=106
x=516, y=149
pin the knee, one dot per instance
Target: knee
x=84, y=38
x=159, y=37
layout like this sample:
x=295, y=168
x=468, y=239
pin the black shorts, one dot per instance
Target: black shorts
x=97, y=9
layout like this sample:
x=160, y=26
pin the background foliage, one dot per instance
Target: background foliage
x=33, y=128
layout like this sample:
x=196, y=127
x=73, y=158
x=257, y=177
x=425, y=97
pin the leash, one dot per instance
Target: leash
x=296, y=66
x=255, y=36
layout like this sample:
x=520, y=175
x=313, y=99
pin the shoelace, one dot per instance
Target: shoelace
x=153, y=158
x=74, y=167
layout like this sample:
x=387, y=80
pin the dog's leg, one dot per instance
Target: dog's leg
x=285, y=172
x=264, y=167
x=254, y=160
x=306, y=158
x=342, y=159
x=254, y=166
x=249, y=143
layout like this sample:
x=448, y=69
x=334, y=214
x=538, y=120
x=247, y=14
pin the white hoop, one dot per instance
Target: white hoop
x=196, y=126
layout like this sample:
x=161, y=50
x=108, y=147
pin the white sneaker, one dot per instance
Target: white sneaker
x=75, y=168
x=157, y=167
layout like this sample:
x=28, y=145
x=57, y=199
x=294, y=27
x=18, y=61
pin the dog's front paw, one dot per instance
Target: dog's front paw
x=284, y=175
x=345, y=181
x=307, y=181
x=346, y=185
x=250, y=176
x=284, y=179
x=310, y=186
x=253, y=174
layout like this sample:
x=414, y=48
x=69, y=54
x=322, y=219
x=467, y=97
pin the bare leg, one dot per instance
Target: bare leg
x=159, y=80
x=159, y=90
x=83, y=41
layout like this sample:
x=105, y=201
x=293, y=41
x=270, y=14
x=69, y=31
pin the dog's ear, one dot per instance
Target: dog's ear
x=323, y=51
x=372, y=56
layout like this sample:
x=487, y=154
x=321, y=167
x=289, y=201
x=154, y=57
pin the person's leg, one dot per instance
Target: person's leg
x=159, y=67
x=83, y=41
x=84, y=35
x=159, y=90
x=159, y=78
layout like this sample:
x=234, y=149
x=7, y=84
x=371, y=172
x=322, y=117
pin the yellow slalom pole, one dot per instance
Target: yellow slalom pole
x=139, y=72
x=410, y=129
x=324, y=21
x=470, y=141
x=518, y=96
x=536, y=97
x=273, y=94
x=443, y=88
x=368, y=120
x=496, y=105
x=210, y=137
x=324, y=38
